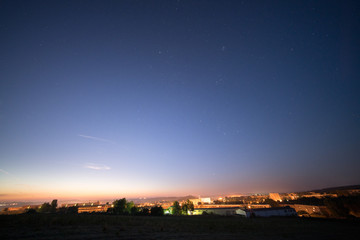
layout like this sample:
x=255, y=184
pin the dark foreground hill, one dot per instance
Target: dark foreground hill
x=48, y=226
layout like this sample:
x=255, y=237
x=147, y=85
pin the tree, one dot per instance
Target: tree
x=123, y=207
x=129, y=206
x=176, y=210
x=72, y=210
x=31, y=211
x=45, y=208
x=119, y=206
x=144, y=212
x=134, y=210
x=157, y=211
x=54, y=205
x=68, y=210
x=187, y=206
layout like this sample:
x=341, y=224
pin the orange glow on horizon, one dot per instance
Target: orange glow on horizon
x=48, y=196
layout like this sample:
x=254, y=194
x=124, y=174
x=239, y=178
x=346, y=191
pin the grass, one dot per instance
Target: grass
x=51, y=226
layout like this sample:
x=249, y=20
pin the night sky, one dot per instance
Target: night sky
x=168, y=98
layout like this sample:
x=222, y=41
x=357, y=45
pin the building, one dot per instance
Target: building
x=353, y=191
x=291, y=196
x=225, y=211
x=275, y=196
x=163, y=205
x=233, y=206
x=85, y=204
x=268, y=212
x=22, y=209
x=199, y=201
x=206, y=200
x=94, y=208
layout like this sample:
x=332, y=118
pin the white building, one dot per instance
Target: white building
x=268, y=212
x=205, y=200
x=196, y=201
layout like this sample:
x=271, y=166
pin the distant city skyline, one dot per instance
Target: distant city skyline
x=108, y=99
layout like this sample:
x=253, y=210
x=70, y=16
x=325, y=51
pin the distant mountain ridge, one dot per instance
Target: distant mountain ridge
x=333, y=189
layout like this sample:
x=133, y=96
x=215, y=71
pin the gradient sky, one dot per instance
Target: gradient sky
x=161, y=98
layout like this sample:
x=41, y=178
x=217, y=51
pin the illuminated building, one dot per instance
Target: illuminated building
x=225, y=211
x=275, y=196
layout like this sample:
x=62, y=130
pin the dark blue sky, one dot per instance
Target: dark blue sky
x=145, y=98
